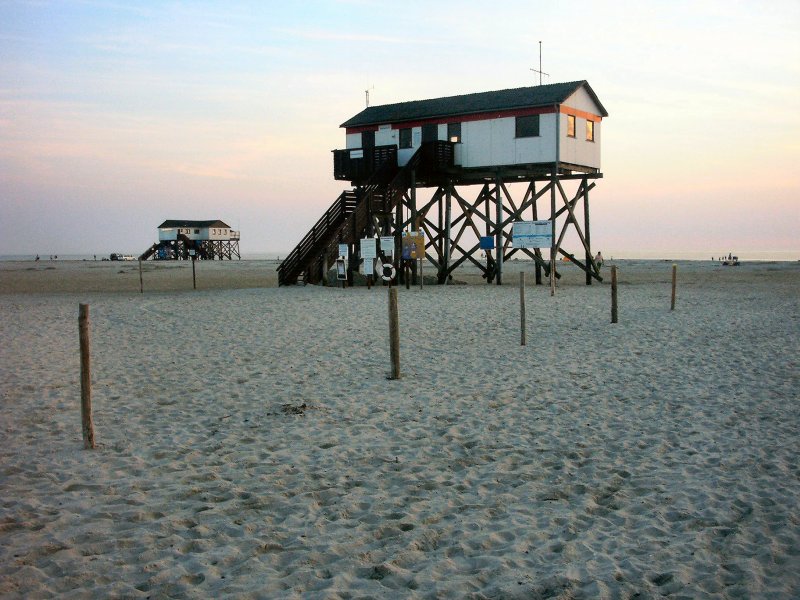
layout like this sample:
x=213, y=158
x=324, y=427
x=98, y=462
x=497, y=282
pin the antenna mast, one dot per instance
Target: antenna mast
x=366, y=93
x=540, y=72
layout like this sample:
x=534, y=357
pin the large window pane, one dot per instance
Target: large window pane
x=405, y=138
x=527, y=126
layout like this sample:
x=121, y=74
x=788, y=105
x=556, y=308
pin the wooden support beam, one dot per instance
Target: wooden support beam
x=587, y=230
x=553, y=243
x=499, y=245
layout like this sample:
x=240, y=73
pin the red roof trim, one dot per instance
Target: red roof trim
x=500, y=114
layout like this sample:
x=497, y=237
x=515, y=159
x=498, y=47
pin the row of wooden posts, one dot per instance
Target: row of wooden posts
x=394, y=343
x=394, y=324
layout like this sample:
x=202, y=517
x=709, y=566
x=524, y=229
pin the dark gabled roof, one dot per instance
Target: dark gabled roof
x=173, y=223
x=467, y=104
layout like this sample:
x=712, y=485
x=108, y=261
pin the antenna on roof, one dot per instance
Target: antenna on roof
x=540, y=72
x=366, y=92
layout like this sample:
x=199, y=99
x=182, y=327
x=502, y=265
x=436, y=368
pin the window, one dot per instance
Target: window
x=589, y=131
x=405, y=138
x=454, y=132
x=527, y=126
x=570, y=125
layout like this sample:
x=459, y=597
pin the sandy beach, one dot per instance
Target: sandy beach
x=250, y=444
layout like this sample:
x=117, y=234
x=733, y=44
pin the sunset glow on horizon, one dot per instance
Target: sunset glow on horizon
x=115, y=116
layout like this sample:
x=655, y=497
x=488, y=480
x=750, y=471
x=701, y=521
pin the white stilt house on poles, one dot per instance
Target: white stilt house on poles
x=209, y=240
x=545, y=137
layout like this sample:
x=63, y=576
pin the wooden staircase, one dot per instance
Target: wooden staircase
x=179, y=248
x=345, y=222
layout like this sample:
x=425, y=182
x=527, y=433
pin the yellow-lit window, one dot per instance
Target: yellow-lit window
x=589, y=131
x=454, y=132
x=570, y=125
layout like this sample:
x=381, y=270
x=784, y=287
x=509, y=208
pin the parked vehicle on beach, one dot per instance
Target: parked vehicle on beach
x=119, y=256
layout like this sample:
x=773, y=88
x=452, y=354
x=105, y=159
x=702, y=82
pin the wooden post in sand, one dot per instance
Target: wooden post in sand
x=522, y=339
x=614, y=294
x=674, y=285
x=394, y=333
x=194, y=279
x=86, y=378
x=141, y=280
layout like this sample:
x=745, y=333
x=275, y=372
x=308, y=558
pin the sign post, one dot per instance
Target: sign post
x=486, y=243
x=414, y=248
x=535, y=234
x=369, y=254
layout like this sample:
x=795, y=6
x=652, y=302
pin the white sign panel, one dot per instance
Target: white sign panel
x=387, y=245
x=369, y=254
x=368, y=249
x=343, y=250
x=532, y=234
x=369, y=264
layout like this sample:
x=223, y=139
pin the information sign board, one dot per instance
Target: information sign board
x=532, y=234
x=387, y=245
x=344, y=250
x=487, y=242
x=413, y=244
x=368, y=248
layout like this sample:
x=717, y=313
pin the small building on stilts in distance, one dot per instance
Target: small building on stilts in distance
x=467, y=153
x=210, y=240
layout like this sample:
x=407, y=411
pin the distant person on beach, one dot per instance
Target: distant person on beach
x=37, y=257
x=599, y=259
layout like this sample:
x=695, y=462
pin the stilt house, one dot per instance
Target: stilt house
x=521, y=130
x=545, y=134
x=209, y=239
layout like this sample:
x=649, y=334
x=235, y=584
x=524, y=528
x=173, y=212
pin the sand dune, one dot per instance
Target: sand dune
x=251, y=446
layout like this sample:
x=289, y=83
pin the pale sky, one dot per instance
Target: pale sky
x=117, y=115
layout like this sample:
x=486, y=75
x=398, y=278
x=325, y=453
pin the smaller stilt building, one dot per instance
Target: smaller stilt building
x=210, y=240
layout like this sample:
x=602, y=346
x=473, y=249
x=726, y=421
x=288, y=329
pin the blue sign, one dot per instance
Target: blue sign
x=487, y=242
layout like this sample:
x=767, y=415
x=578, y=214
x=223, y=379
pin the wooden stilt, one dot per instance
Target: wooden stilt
x=498, y=228
x=448, y=223
x=553, y=245
x=587, y=235
x=522, y=326
x=614, y=294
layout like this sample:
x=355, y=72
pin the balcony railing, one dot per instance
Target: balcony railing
x=359, y=164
